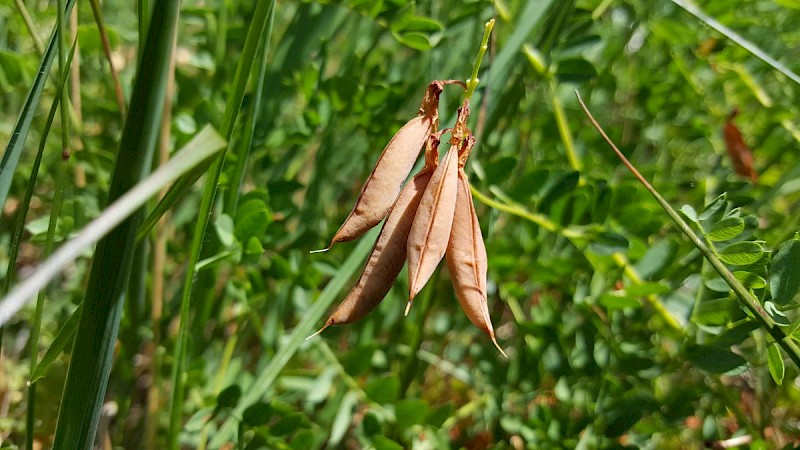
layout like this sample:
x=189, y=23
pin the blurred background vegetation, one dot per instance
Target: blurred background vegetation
x=619, y=333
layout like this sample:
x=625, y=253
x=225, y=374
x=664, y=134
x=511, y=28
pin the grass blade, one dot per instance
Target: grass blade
x=209, y=143
x=310, y=318
x=90, y=366
x=255, y=36
x=694, y=10
x=23, y=126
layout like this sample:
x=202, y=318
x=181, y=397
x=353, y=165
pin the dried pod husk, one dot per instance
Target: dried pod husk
x=395, y=163
x=739, y=153
x=389, y=253
x=467, y=261
x=427, y=241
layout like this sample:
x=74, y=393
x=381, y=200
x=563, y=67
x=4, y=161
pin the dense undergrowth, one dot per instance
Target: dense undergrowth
x=619, y=331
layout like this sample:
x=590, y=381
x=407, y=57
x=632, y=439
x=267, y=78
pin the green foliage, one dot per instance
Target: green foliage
x=620, y=332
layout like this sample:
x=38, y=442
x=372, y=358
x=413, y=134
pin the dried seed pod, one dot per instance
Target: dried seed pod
x=395, y=163
x=389, y=253
x=740, y=154
x=430, y=232
x=467, y=261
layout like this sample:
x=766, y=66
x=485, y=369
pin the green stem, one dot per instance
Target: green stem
x=62, y=67
x=563, y=128
x=749, y=302
x=473, y=80
x=415, y=342
x=23, y=12
x=539, y=219
x=253, y=41
x=634, y=276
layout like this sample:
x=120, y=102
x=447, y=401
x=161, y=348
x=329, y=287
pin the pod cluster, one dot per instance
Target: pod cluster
x=428, y=219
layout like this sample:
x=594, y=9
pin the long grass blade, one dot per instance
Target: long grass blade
x=90, y=366
x=694, y=10
x=255, y=37
x=209, y=144
x=246, y=143
x=23, y=126
x=265, y=379
x=17, y=238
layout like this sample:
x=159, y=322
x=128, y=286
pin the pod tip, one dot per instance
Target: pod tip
x=321, y=330
x=408, y=306
x=494, y=341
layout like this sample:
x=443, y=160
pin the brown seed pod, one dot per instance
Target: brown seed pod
x=389, y=253
x=427, y=241
x=395, y=163
x=467, y=261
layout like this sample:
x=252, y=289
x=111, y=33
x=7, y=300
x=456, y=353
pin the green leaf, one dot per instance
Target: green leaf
x=224, y=229
x=689, y=212
x=659, y=255
x=726, y=229
x=229, y=397
x=775, y=363
x=63, y=339
x=12, y=67
x=252, y=219
x=288, y=424
x=321, y=387
x=647, y=288
x=253, y=246
x=715, y=359
x=575, y=70
x=750, y=280
x=717, y=285
x=714, y=209
x=742, y=253
x=417, y=41
x=91, y=44
x=608, y=243
x=621, y=419
x=343, y=419
x=720, y=311
x=784, y=276
x=371, y=423
x=384, y=389
x=777, y=315
x=736, y=334
x=411, y=22
x=257, y=414
x=618, y=300
x=410, y=412
x=384, y=443
x=498, y=171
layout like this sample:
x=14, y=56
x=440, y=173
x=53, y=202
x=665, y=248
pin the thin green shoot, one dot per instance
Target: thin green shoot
x=472, y=82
